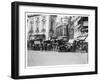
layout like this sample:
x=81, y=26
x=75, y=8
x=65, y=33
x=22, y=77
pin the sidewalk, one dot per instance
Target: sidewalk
x=42, y=58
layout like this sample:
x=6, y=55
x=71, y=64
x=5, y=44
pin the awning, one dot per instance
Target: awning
x=85, y=37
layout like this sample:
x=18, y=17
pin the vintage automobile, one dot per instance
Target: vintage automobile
x=80, y=45
x=64, y=46
x=83, y=46
x=35, y=42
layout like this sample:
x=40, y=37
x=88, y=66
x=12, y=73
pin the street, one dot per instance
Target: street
x=47, y=58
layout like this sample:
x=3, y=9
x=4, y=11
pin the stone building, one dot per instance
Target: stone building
x=38, y=25
x=80, y=25
x=62, y=28
x=52, y=26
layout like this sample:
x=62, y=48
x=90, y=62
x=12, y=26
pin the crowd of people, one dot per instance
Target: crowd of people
x=58, y=45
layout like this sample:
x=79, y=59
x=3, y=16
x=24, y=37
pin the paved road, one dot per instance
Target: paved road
x=42, y=58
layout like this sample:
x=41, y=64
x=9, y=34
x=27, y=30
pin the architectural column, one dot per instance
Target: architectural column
x=43, y=21
x=30, y=33
x=37, y=25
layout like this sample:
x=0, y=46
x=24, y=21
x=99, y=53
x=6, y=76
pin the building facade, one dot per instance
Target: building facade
x=62, y=28
x=80, y=25
x=38, y=25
